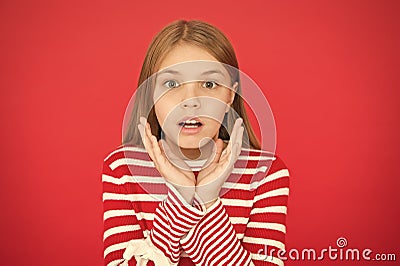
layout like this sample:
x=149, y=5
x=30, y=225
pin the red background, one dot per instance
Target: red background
x=329, y=69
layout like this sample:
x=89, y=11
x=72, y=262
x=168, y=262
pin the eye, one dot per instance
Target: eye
x=170, y=84
x=210, y=84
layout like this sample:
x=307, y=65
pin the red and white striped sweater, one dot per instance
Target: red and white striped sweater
x=248, y=217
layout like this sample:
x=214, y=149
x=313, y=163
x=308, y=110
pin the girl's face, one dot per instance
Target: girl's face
x=190, y=102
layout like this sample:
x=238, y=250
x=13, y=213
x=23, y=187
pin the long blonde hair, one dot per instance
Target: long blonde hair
x=192, y=32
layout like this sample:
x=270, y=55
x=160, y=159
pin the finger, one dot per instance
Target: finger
x=234, y=155
x=160, y=144
x=148, y=129
x=147, y=137
x=219, y=146
x=167, y=149
x=233, y=136
x=140, y=128
x=217, y=150
x=158, y=156
x=237, y=134
x=237, y=145
x=146, y=141
x=239, y=139
x=146, y=126
x=236, y=126
x=230, y=160
x=226, y=152
x=169, y=154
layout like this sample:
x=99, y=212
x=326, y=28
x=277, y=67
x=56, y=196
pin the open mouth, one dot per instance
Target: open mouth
x=190, y=123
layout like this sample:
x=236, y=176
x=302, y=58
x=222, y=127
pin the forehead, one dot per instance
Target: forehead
x=190, y=62
x=183, y=53
x=195, y=70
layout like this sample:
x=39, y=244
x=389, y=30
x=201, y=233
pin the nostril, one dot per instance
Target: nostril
x=186, y=105
x=190, y=103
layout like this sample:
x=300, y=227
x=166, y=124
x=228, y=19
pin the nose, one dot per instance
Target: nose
x=191, y=103
x=190, y=99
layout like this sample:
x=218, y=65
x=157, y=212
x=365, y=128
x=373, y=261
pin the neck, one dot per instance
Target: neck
x=204, y=152
x=191, y=153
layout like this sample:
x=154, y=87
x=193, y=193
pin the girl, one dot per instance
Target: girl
x=180, y=190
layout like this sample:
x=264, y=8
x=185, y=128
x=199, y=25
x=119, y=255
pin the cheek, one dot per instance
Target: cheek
x=213, y=126
x=228, y=96
x=163, y=108
x=215, y=110
x=160, y=111
x=222, y=104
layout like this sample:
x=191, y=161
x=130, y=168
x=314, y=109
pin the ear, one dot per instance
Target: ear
x=232, y=96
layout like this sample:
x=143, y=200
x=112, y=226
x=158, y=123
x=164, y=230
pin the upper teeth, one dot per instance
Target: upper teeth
x=191, y=122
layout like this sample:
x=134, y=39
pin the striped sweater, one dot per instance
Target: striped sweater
x=247, y=220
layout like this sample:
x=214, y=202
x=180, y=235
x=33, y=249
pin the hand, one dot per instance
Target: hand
x=211, y=178
x=183, y=180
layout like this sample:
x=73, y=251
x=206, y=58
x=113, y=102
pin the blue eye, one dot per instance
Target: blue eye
x=170, y=84
x=210, y=84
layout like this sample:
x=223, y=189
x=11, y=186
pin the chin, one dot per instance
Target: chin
x=189, y=145
x=192, y=143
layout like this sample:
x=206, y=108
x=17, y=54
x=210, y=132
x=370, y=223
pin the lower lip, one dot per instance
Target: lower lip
x=190, y=131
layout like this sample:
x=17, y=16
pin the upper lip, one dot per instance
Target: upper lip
x=184, y=119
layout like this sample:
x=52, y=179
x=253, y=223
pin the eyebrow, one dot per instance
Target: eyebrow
x=170, y=71
x=213, y=72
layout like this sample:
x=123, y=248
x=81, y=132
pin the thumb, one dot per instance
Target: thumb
x=172, y=157
x=161, y=144
x=217, y=150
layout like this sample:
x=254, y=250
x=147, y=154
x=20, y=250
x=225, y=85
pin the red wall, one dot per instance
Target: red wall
x=328, y=68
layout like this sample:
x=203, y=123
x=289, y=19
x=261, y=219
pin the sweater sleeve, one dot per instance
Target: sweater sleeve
x=125, y=242
x=213, y=240
x=174, y=218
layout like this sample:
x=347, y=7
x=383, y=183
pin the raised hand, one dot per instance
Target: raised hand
x=211, y=178
x=182, y=178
